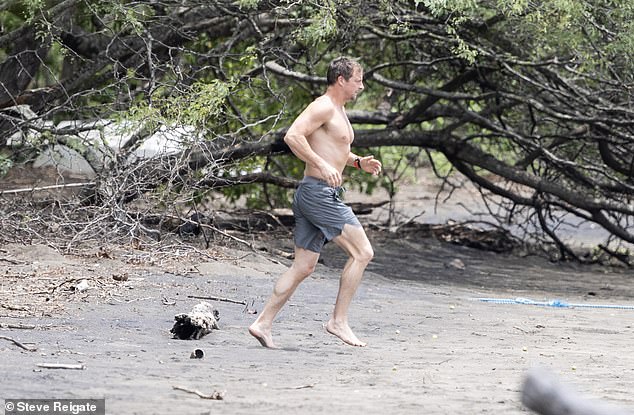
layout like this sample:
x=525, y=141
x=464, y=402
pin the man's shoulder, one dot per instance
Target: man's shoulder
x=321, y=108
x=324, y=102
x=324, y=99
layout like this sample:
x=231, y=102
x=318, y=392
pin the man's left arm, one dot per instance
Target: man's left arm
x=368, y=163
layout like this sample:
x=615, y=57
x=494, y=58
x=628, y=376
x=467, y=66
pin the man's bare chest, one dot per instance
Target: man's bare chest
x=338, y=128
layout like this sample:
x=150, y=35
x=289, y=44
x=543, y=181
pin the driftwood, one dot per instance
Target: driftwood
x=17, y=343
x=545, y=394
x=478, y=235
x=71, y=366
x=226, y=300
x=245, y=220
x=214, y=396
x=17, y=326
x=197, y=323
x=362, y=208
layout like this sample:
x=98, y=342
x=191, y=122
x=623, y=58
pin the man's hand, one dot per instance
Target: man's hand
x=370, y=165
x=331, y=175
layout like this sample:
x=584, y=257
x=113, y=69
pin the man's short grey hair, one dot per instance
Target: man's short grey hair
x=342, y=66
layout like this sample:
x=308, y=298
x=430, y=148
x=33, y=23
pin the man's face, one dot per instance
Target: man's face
x=354, y=85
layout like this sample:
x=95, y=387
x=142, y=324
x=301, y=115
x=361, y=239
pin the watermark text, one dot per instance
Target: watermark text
x=55, y=406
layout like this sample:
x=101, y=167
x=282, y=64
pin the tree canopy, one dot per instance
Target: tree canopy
x=529, y=100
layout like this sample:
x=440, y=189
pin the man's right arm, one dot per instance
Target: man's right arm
x=311, y=119
x=298, y=143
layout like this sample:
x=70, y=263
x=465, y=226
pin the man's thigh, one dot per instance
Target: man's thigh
x=353, y=240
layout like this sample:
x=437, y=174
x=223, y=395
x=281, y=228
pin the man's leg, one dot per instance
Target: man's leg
x=354, y=241
x=303, y=265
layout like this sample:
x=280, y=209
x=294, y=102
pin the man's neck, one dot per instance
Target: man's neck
x=336, y=96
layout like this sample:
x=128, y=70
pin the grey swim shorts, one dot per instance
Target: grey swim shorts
x=320, y=214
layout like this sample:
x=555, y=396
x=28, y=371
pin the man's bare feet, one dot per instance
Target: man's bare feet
x=344, y=332
x=263, y=336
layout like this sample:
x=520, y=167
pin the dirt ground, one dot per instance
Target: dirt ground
x=433, y=347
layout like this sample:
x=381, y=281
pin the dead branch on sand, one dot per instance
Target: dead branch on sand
x=226, y=300
x=17, y=343
x=15, y=307
x=17, y=326
x=61, y=366
x=215, y=395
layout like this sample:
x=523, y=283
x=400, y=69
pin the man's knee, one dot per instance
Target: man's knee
x=303, y=270
x=356, y=244
x=365, y=254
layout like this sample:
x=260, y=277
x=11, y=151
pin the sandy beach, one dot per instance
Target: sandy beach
x=433, y=346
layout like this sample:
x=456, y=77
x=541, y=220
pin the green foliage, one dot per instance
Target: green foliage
x=399, y=163
x=248, y=4
x=11, y=19
x=206, y=102
x=548, y=28
x=6, y=162
x=444, y=7
x=53, y=63
x=456, y=13
x=201, y=106
x=261, y=196
x=122, y=16
x=213, y=81
x=32, y=8
x=322, y=25
x=512, y=7
x=461, y=48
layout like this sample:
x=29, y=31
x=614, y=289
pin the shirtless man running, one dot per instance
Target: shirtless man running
x=321, y=136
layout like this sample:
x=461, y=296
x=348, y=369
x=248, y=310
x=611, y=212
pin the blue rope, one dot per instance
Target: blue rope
x=552, y=303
